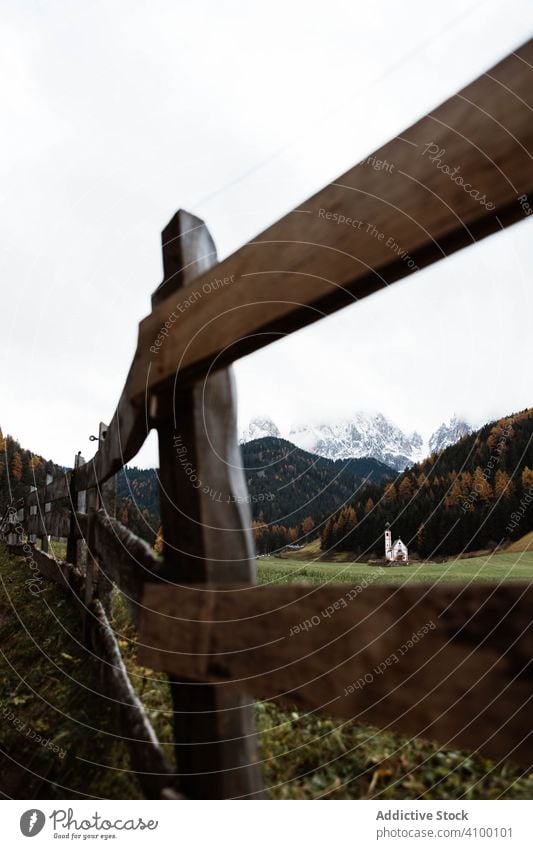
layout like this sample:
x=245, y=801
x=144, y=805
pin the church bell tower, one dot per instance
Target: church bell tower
x=388, y=542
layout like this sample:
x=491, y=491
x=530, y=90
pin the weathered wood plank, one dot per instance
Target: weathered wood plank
x=29, y=512
x=207, y=536
x=125, y=559
x=76, y=495
x=53, y=491
x=59, y=571
x=56, y=523
x=107, y=491
x=86, y=523
x=35, y=525
x=47, y=509
x=465, y=679
x=318, y=260
x=53, y=570
x=147, y=758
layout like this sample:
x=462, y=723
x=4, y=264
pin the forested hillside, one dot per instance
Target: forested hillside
x=20, y=468
x=470, y=496
x=292, y=492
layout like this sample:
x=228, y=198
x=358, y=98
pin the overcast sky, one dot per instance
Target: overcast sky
x=117, y=114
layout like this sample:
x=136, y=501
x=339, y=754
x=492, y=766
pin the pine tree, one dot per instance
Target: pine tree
x=326, y=535
x=466, y=483
x=390, y=493
x=481, y=486
x=292, y=535
x=405, y=489
x=527, y=478
x=454, y=496
x=307, y=525
x=16, y=466
x=503, y=486
x=421, y=480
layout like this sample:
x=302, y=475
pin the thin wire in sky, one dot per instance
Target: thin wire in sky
x=410, y=54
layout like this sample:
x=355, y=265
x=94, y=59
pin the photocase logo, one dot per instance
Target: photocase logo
x=32, y=822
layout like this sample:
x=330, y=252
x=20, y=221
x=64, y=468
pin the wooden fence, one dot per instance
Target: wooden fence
x=223, y=640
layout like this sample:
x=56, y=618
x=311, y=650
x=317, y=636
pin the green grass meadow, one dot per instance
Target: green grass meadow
x=502, y=566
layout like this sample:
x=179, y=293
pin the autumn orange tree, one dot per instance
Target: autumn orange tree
x=16, y=466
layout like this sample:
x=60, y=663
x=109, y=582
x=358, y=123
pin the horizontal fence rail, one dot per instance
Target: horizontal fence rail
x=458, y=660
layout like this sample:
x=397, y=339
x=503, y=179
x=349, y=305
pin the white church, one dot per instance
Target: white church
x=396, y=551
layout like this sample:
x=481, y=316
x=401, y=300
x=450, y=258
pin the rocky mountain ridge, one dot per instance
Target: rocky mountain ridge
x=362, y=435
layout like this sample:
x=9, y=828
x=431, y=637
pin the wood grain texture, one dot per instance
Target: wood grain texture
x=465, y=681
x=56, y=523
x=188, y=250
x=125, y=436
x=204, y=498
x=74, y=549
x=207, y=536
x=306, y=265
x=60, y=572
x=47, y=508
x=102, y=498
x=53, y=491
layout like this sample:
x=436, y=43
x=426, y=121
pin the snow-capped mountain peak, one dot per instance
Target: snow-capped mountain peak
x=362, y=435
x=448, y=434
x=258, y=428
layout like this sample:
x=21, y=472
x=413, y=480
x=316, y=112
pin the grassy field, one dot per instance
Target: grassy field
x=59, y=735
x=50, y=684
x=514, y=564
x=503, y=566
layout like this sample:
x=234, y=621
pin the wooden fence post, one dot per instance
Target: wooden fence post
x=207, y=535
x=20, y=521
x=32, y=511
x=82, y=558
x=106, y=500
x=107, y=491
x=96, y=583
x=72, y=539
x=47, y=508
x=12, y=538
